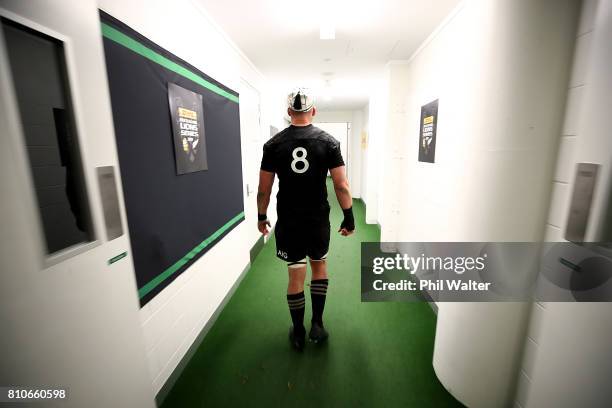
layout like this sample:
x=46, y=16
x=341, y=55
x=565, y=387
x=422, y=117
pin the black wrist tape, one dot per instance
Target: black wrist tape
x=349, y=220
x=262, y=217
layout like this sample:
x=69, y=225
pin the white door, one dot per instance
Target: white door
x=252, y=142
x=68, y=297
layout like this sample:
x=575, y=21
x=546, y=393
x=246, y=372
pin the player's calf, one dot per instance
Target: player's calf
x=297, y=303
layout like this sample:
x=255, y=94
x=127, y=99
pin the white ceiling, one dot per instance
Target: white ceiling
x=281, y=37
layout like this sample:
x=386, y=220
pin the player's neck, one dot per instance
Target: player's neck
x=300, y=123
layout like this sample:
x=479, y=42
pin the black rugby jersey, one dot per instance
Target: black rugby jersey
x=301, y=156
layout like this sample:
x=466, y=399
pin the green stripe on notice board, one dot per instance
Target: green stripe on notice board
x=128, y=42
x=188, y=257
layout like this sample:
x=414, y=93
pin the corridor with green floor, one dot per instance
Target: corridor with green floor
x=377, y=355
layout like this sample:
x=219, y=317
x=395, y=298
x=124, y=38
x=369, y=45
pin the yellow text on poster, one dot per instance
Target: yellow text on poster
x=187, y=113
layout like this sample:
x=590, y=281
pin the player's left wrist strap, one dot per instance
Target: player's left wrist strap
x=348, y=212
x=262, y=217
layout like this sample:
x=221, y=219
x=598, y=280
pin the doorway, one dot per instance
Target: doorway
x=340, y=131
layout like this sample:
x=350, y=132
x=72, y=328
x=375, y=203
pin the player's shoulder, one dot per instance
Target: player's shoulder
x=321, y=135
x=289, y=135
x=276, y=139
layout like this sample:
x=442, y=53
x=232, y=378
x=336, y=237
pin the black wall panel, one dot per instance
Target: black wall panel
x=173, y=219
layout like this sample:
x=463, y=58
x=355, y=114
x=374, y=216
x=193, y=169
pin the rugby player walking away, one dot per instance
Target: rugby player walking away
x=301, y=155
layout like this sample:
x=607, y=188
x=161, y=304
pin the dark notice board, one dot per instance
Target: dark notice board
x=173, y=218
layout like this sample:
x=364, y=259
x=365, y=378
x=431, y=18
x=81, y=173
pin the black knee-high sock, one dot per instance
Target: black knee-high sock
x=318, y=292
x=297, y=304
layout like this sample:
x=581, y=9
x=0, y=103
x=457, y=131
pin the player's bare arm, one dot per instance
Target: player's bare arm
x=266, y=180
x=343, y=194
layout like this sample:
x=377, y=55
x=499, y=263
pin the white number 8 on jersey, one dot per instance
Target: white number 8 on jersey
x=299, y=158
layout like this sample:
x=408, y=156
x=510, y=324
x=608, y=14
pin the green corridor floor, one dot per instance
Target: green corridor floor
x=378, y=354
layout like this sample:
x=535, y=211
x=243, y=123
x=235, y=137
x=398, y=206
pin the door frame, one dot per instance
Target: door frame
x=347, y=159
x=16, y=138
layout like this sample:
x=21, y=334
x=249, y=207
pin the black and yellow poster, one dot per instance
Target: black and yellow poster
x=427, y=132
x=188, y=129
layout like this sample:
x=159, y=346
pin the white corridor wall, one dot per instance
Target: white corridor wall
x=173, y=319
x=499, y=69
x=567, y=360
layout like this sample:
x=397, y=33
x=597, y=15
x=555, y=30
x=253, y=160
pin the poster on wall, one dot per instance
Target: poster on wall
x=364, y=140
x=427, y=132
x=188, y=129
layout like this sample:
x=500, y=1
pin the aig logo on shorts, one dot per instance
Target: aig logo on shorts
x=282, y=254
